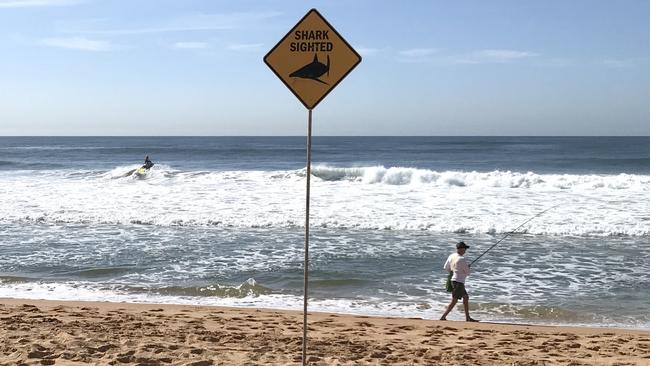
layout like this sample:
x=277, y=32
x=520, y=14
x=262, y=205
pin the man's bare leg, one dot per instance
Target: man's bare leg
x=450, y=307
x=466, y=307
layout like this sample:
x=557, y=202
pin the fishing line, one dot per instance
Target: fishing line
x=514, y=231
x=606, y=203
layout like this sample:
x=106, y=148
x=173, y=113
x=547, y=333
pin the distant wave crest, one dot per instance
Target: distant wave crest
x=505, y=179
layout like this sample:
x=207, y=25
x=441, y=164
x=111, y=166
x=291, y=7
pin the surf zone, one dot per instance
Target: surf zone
x=311, y=41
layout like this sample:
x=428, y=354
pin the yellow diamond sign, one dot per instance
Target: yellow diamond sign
x=312, y=59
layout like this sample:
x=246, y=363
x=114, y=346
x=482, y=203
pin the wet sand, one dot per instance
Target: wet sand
x=101, y=333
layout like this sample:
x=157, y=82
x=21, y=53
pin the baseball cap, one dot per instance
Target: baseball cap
x=461, y=244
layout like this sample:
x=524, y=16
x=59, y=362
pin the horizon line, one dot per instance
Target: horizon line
x=207, y=136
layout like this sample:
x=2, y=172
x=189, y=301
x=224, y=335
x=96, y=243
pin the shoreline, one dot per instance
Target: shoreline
x=47, y=332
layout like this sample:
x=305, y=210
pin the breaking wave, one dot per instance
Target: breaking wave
x=505, y=179
x=363, y=198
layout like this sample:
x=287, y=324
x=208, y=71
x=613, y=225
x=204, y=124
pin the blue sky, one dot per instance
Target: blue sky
x=162, y=67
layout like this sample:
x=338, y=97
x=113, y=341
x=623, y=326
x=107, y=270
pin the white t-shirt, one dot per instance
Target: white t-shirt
x=458, y=264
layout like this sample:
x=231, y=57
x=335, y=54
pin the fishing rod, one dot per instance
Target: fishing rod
x=513, y=231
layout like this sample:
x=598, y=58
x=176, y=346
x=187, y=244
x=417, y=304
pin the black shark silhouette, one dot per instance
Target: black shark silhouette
x=313, y=71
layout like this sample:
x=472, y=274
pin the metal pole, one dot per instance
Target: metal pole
x=306, y=280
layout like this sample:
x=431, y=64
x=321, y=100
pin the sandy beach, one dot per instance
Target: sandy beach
x=102, y=333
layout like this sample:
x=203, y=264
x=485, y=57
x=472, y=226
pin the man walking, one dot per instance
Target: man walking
x=457, y=264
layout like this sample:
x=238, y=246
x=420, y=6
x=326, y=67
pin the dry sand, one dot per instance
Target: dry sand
x=79, y=333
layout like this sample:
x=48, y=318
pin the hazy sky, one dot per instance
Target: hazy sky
x=194, y=67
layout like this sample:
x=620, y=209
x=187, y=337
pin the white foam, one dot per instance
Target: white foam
x=372, y=198
x=80, y=291
x=505, y=179
x=374, y=306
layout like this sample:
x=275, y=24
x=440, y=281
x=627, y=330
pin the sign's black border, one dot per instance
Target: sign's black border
x=288, y=34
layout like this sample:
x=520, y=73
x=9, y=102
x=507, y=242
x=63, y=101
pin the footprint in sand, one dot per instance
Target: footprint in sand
x=467, y=337
x=39, y=351
x=201, y=363
x=483, y=331
x=434, y=332
x=29, y=308
x=406, y=327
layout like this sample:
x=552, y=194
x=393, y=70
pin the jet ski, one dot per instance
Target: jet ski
x=141, y=171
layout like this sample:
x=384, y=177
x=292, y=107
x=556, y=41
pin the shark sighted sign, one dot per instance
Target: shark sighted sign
x=312, y=59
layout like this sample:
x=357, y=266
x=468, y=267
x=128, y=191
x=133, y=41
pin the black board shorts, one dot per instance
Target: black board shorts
x=459, y=290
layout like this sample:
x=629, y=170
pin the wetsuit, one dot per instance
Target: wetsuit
x=147, y=163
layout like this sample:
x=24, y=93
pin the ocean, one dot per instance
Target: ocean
x=220, y=221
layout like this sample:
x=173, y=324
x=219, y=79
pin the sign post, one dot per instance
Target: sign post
x=311, y=60
x=306, y=265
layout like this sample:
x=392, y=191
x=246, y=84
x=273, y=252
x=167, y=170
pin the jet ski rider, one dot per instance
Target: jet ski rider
x=147, y=163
